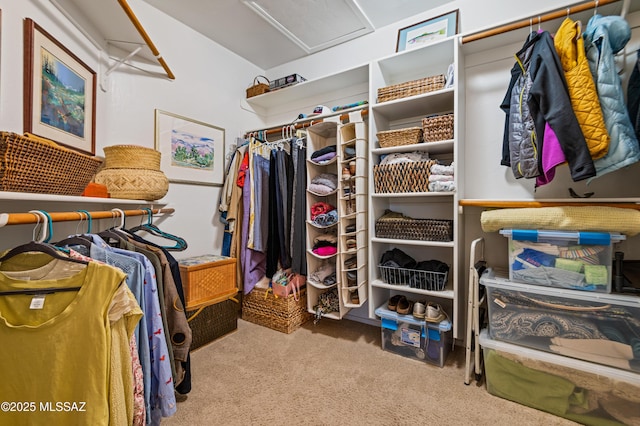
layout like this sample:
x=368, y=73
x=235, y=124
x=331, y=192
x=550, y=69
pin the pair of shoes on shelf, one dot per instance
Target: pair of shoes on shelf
x=434, y=313
x=350, y=228
x=392, y=304
x=351, y=244
x=352, y=279
x=404, y=306
x=419, y=309
x=355, y=297
x=352, y=168
x=351, y=263
x=346, y=173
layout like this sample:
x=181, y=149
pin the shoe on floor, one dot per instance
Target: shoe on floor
x=419, y=310
x=393, y=302
x=404, y=306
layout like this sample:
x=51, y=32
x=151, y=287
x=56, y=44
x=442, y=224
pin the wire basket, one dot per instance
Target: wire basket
x=33, y=164
x=414, y=278
x=408, y=136
x=411, y=88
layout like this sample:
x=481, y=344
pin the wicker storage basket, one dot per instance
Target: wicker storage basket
x=212, y=322
x=398, y=226
x=284, y=314
x=408, y=136
x=258, y=88
x=131, y=157
x=438, y=128
x=134, y=184
x=402, y=177
x=411, y=88
x=32, y=164
x=207, y=279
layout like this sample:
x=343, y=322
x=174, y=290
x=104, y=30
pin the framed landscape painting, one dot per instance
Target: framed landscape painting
x=59, y=92
x=427, y=32
x=191, y=151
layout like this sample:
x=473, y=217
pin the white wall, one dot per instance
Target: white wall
x=210, y=81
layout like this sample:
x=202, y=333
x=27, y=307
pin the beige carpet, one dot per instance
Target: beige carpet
x=335, y=373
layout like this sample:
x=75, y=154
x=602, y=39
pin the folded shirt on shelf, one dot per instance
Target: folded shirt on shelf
x=326, y=219
x=322, y=151
x=324, y=158
x=319, y=208
x=448, y=186
x=441, y=169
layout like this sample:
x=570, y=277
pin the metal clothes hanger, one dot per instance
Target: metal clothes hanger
x=149, y=227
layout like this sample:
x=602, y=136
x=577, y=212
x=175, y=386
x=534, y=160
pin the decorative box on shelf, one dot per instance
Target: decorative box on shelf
x=207, y=279
x=284, y=314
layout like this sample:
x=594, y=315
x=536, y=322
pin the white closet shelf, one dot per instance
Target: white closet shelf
x=28, y=196
x=427, y=103
x=413, y=242
x=413, y=194
x=440, y=147
x=444, y=294
x=312, y=88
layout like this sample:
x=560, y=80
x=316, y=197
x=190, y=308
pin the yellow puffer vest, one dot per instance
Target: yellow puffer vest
x=582, y=89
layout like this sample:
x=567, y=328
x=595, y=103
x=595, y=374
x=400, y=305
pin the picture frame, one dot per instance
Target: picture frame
x=191, y=151
x=428, y=31
x=59, y=92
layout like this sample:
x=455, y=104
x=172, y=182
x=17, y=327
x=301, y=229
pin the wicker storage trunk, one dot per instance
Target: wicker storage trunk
x=281, y=314
x=207, y=279
x=212, y=322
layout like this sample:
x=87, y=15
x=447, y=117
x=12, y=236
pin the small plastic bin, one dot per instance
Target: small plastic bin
x=413, y=338
x=575, y=260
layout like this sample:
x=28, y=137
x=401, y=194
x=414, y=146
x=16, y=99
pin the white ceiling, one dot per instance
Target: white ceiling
x=314, y=24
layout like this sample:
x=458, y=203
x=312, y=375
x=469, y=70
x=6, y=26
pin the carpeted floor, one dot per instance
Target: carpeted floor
x=334, y=373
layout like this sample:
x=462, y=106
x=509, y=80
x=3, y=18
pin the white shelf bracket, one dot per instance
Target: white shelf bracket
x=123, y=60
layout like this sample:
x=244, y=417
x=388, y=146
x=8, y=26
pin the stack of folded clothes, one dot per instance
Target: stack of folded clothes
x=441, y=178
x=324, y=183
x=324, y=155
x=325, y=274
x=323, y=214
x=325, y=245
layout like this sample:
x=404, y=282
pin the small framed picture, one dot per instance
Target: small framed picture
x=427, y=32
x=191, y=151
x=59, y=92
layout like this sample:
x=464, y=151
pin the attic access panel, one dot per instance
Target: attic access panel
x=314, y=25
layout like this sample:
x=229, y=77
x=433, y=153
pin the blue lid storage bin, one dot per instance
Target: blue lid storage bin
x=564, y=259
x=413, y=338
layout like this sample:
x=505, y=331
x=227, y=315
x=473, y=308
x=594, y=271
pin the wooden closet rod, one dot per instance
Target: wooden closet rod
x=306, y=122
x=535, y=20
x=26, y=218
x=530, y=204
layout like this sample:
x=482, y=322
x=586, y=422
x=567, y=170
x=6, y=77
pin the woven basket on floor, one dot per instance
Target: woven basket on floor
x=408, y=136
x=411, y=88
x=438, y=128
x=284, y=314
x=398, y=226
x=33, y=164
x=402, y=177
x=134, y=184
x=131, y=157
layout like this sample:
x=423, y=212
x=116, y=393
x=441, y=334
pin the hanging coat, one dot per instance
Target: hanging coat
x=582, y=89
x=603, y=38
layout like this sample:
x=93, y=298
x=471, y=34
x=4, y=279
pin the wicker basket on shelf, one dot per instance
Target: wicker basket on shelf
x=132, y=172
x=408, y=136
x=438, y=127
x=402, y=177
x=258, y=88
x=411, y=88
x=32, y=164
x=398, y=226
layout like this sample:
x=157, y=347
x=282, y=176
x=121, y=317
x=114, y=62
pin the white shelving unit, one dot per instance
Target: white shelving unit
x=404, y=113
